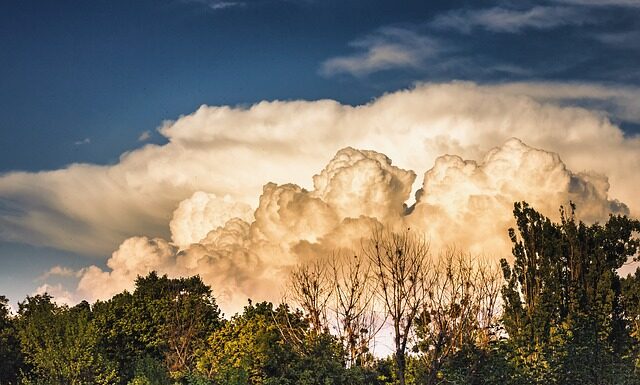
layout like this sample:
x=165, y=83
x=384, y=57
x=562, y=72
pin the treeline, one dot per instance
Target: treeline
x=555, y=313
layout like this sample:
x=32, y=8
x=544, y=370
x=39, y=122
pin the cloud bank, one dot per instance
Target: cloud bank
x=461, y=202
x=233, y=151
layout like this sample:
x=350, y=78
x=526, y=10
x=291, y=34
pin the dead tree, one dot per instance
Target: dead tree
x=310, y=287
x=458, y=311
x=401, y=266
x=354, y=307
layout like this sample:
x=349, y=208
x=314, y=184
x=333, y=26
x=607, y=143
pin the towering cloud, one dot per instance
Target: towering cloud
x=462, y=202
x=184, y=207
x=196, y=216
x=234, y=151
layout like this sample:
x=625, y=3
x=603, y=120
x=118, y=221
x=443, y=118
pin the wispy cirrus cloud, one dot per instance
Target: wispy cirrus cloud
x=499, y=19
x=218, y=5
x=626, y=39
x=603, y=3
x=83, y=141
x=387, y=48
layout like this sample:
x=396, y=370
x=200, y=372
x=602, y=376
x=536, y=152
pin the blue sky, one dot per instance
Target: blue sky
x=109, y=70
x=85, y=81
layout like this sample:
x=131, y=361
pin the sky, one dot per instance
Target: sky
x=133, y=131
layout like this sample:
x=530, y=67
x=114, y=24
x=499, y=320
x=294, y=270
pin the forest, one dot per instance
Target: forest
x=555, y=312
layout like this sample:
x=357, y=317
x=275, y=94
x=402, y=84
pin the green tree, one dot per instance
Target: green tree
x=562, y=298
x=264, y=345
x=630, y=287
x=163, y=319
x=10, y=357
x=60, y=344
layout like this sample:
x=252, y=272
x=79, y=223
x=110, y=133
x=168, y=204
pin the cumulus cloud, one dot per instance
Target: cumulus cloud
x=234, y=151
x=196, y=216
x=60, y=294
x=499, y=19
x=461, y=202
x=387, y=48
x=469, y=204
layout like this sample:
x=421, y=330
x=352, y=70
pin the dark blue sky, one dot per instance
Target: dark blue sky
x=81, y=80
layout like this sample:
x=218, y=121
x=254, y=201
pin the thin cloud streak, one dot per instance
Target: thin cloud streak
x=505, y=20
x=603, y=3
x=388, y=48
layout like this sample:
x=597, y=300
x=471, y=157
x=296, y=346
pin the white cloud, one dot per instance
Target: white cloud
x=387, y=48
x=196, y=216
x=218, y=5
x=81, y=142
x=234, y=151
x=603, y=3
x=500, y=19
x=620, y=101
x=60, y=271
x=462, y=203
x=144, y=136
x=60, y=294
x=626, y=40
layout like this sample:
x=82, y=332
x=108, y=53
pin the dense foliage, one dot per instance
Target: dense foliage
x=565, y=316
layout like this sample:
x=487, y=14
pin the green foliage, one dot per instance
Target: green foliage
x=150, y=371
x=60, y=344
x=264, y=345
x=164, y=319
x=10, y=355
x=562, y=299
x=568, y=319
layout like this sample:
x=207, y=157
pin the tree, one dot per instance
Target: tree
x=163, y=319
x=357, y=320
x=401, y=267
x=60, y=344
x=271, y=346
x=310, y=287
x=630, y=288
x=10, y=356
x=248, y=349
x=458, y=314
x=562, y=298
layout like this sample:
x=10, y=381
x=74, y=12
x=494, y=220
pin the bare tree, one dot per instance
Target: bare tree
x=310, y=286
x=357, y=321
x=401, y=267
x=459, y=309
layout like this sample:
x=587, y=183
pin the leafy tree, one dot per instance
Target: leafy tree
x=248, y=349
x=563, y=312
x=163, y=319
x=264, y=345
x=630, y=287
x=60, y=344
x=10, y=357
